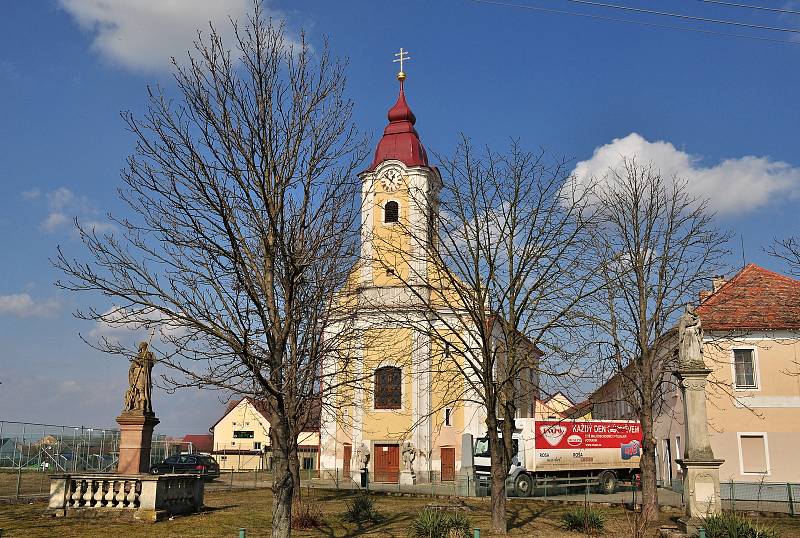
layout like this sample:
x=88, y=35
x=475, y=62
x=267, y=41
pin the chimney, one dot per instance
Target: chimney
x=717, y=282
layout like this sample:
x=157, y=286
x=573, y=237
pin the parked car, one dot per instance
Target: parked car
x=188, y=464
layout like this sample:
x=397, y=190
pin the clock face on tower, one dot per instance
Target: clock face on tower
x=392, y=180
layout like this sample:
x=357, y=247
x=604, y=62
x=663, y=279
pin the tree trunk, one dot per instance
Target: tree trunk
x=294, y=467
x=498, y=474
x=648, y=467
x=282, y=481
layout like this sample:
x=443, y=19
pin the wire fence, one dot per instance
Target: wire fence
x=778, y=497
x=29, y=452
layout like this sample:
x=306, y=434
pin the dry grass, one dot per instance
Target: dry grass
x=30, y=482
x=250, y=509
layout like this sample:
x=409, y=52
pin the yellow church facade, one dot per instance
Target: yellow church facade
x=411, y=399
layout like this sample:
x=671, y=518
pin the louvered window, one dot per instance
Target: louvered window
x=388, y=388
x=391, y=213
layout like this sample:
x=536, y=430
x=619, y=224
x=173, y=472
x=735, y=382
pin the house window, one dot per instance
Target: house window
x=243, y=434
x=388, y=388
x=257, y=445
x=448, y=416
x=744, y=367
x=753, y=453
x=308, y=464
x=391, y=212
x=678, y=452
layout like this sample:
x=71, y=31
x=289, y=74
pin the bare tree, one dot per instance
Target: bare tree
x=657, y=247
x=505, y=275
x=243, y=228
x=787, y=250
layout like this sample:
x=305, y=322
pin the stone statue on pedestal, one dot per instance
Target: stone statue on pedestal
x=138, y=397
x=137, y=420
x=701, y=490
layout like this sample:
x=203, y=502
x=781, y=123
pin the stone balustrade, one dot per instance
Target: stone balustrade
x=146, y=497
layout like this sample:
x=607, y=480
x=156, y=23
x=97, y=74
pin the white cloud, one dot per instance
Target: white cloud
x=118, y=322
x=733, y=186
x=145, y=34
x=63, y=206
x=54, y=222
x=99, y=227
x=22, y=305
x=33, y=194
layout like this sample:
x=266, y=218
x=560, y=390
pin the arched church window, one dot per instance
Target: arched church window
x=388, y=388
x=391, y=212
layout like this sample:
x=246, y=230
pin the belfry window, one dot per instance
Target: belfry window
x=391, y=212
x=388, y=388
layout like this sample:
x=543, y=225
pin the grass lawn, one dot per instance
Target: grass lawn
x=250, y=509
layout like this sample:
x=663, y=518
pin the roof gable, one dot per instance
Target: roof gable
x=261, y=408
x=754, y=299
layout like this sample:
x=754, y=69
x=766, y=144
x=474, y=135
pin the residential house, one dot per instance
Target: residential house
x=751, y=343
x=241, y=438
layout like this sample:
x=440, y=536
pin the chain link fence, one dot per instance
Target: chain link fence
x=30, y=452
x=777, y=497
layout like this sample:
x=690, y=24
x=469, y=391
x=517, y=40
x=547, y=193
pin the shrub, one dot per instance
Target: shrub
x=438, y=524
x=306, y=516
x=731, y=525
x=361, y=508
x=584, y=519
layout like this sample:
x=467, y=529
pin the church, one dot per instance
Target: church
x=413, y=404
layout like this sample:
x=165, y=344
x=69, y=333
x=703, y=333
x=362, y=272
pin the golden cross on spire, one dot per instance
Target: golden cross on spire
x=401, y=57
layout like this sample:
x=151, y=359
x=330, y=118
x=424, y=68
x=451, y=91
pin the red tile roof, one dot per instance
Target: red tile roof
x=754, y=299
x=200, y=442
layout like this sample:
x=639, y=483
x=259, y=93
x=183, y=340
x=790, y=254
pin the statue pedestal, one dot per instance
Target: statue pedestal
x=701, y=495
x=407, y=478
x=135, y=437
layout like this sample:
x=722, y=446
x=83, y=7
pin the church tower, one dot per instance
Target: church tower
x=398, y=401
x=398, y=201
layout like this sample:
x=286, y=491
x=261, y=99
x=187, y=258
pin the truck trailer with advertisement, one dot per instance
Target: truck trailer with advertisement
x=568, y=452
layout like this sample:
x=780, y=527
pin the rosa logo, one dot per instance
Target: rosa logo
x=553, y=434
x=574, y=440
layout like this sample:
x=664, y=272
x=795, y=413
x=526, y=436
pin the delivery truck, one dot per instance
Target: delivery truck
x=568, y=452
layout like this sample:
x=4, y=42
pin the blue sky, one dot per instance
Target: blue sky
x=722, y=112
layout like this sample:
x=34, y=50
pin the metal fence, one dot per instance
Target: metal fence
x=761, y=496
x=778, y=497
x=31, y=451
x=432, y=483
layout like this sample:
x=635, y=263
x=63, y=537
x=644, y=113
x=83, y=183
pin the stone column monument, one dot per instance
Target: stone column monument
x=137, y=420
x=701, y=495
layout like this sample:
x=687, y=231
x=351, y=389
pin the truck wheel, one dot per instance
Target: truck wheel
x=523, y=485
x=608, y=482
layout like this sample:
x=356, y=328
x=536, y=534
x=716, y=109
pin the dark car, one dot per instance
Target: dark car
x=188, y=464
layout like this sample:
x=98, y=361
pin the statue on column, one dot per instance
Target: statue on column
x=690, y=340
x=138, y=397
x=701, y=491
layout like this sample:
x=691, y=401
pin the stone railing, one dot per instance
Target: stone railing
x=147, y=497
